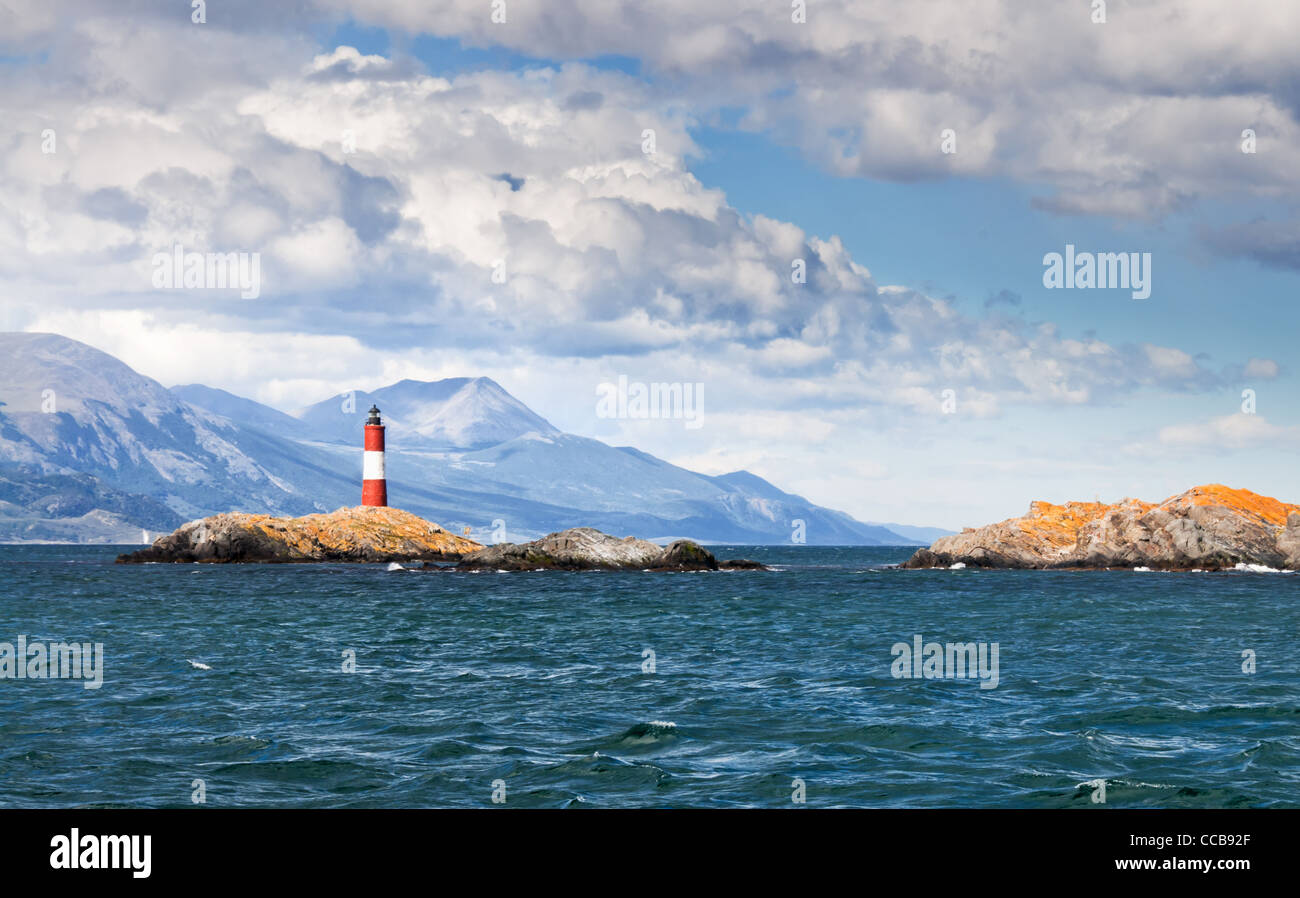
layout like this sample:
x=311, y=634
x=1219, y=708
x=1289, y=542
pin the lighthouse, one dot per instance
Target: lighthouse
x=374, y=486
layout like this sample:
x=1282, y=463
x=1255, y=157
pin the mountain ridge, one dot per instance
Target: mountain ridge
x=454, y=413
x=462, y=451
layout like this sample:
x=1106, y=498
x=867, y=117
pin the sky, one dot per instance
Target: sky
x=559, y=195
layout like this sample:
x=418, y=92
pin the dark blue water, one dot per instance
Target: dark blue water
x=536, y=680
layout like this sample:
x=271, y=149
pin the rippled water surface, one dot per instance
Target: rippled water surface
x=536, y=679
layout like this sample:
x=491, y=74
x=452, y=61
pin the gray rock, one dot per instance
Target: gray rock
x=1209, y=527
x=1289, y=541
x=584, y=548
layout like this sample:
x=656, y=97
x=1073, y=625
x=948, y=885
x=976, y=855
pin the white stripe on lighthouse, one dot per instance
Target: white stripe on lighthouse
x=373, y=466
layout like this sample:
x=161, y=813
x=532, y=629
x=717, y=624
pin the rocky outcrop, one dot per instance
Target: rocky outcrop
x=1288, y=543
x=684, y=555
x=388, y=534
x=1211, y=527
x=350, y=534
x=583, y=548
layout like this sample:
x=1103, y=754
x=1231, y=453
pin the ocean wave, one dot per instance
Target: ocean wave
x=535, y=680
x=1132, y=784
x=242, y=741
x=648, y=733
x=1259, y=569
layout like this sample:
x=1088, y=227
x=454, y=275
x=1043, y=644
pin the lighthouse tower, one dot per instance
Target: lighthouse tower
x=374, y=487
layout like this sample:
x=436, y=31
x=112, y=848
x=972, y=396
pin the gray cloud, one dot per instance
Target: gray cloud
x=584, y=99
x=1132, y=118
x=114, y=204
x=1003, y=297
x=606, y=252
x=369, y=205
x=1272, y=243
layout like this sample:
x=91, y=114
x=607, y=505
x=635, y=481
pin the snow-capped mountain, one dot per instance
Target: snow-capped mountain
x=462, y=452
x=245, y=411
x=68, y=408
x=457, y=413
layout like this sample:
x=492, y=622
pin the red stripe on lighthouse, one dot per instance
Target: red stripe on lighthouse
x=374, y=482
x=374, y=493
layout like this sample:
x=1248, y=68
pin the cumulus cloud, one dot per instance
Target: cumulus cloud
x=1108, y=119
x=512, y=223
x=375, y=196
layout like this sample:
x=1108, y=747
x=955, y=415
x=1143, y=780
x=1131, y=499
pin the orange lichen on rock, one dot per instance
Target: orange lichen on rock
x=1208, y=527
x=1243, y=502
x=1058, y=525
x=362, y=533
x=383, y=530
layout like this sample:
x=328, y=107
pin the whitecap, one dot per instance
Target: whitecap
x=1258, y=569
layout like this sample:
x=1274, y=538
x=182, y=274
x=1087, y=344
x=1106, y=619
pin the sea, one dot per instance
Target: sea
x=359, y=686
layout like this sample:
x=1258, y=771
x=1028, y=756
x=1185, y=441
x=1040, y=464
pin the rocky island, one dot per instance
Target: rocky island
x=363, y=533
x=381, y=534
x=583, y=548
x=1209, y=528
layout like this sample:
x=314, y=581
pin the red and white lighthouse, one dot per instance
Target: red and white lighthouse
x=374, y=486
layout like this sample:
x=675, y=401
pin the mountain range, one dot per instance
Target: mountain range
x=91, y=450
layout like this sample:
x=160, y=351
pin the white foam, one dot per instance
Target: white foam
x=1258, y=569
x=961, y=565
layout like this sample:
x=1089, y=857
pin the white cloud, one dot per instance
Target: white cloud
x=1262, y=369
x=323, y=252
x=378, y=264
x=605, y=250
x=1239, y=431
x=1170, y=361
x=1131, y=117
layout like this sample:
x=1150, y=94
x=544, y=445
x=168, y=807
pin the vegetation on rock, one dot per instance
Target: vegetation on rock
x=349, y=534
x=1210, y=527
